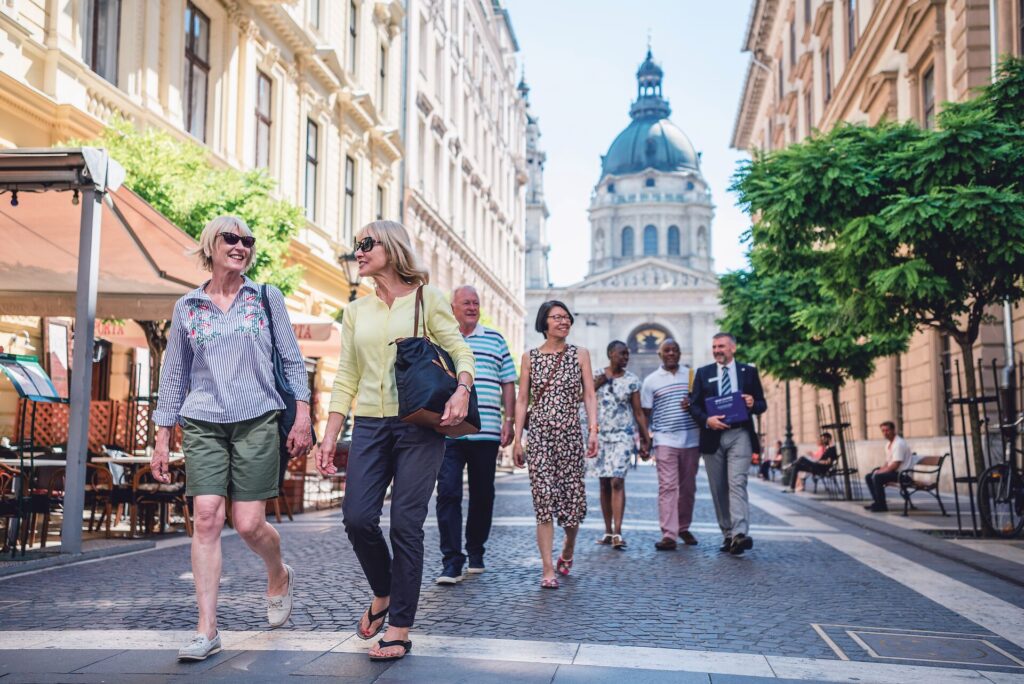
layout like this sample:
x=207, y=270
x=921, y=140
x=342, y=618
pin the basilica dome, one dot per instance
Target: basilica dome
x=651, y=141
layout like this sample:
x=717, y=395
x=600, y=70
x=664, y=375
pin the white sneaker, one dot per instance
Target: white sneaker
x=448, y=577
x=200, y=647
x=279, y=608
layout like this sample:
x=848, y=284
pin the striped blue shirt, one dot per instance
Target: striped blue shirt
x=663, y=393
x=493, y=367
x=218, y=366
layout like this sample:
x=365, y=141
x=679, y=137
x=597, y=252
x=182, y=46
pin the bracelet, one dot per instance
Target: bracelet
x=469, y=390
x=595, y=428
x=510, y=419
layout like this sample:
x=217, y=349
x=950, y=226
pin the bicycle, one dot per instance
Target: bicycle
x=1001, y=493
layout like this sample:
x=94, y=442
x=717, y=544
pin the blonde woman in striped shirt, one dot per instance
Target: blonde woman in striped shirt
x=218, y=382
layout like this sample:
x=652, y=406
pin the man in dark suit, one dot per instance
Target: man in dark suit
x=726, y=448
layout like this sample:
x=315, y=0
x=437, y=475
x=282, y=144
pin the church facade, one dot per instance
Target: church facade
x=651, y=274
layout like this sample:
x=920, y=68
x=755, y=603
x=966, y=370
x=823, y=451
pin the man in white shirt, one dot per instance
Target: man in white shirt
x=897, y=460
x=664, y=397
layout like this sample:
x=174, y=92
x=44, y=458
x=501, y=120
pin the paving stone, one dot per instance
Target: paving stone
x=346, y=666
x=420, y=670
x=264, y=663
x=154, y=662
x=585, y=674
x=50, y=660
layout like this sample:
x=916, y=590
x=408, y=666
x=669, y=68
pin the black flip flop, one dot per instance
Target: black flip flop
x=371, y=619
x=407, y=645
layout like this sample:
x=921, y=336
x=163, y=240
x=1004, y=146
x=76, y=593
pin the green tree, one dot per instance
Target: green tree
x=179, y=180
x=918, y=228
x=794, y=328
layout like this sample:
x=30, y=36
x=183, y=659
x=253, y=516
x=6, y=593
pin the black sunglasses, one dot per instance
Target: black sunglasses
x=366, y=244
x=233, y=239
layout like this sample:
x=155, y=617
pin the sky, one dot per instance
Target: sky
x=581, y=57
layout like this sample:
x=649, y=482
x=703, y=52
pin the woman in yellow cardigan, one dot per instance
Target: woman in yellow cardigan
x=386, y=451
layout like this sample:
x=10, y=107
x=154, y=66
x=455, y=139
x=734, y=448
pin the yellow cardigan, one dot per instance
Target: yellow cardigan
x=366, y=367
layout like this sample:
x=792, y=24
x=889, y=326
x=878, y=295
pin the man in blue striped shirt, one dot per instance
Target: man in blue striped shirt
x=495, y=388
x=664, y=398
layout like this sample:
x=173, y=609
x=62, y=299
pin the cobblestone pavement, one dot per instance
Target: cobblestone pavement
x=812, y=588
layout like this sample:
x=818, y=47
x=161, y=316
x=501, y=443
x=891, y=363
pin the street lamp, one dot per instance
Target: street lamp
x=788, y=447
x=351, y=266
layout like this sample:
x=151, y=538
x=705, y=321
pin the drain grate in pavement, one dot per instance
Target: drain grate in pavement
x=946, y=648
x=943, y=649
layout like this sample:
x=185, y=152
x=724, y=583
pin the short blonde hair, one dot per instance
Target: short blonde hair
x=394, y=238
x=221, y=224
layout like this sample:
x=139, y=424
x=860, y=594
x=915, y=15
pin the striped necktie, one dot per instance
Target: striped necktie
x=726, y=383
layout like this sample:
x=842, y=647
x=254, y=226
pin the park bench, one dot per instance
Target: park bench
x=922, y=476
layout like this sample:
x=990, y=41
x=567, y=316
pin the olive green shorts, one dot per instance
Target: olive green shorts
x=237, y=459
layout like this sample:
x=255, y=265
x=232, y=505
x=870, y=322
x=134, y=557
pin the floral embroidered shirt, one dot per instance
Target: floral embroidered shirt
x=218, y=365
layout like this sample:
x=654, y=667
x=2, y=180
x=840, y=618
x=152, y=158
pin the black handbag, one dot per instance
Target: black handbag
x=426, y=379
x=287, y=418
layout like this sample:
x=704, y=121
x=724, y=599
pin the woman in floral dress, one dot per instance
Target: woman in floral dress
x=555, y=376
x=619, y=413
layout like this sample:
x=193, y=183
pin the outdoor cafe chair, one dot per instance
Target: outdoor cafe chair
x=99, y=493
x=45, y=502
x=150, y=496
x=8, y=499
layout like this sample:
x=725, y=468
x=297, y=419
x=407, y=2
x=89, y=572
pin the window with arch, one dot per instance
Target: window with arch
x=627, y=241
x=673, y=240
x=650, y=241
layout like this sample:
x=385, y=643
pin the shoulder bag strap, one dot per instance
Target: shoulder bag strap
x=270, y=315
x=416, y=316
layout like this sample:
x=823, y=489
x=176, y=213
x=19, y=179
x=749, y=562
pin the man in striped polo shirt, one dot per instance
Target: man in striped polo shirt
x=665, y=398
x=495, y=387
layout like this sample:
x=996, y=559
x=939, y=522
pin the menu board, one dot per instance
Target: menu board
x=28, y=377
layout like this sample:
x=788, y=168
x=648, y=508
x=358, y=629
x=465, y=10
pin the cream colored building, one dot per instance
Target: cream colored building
x=815, y=63
x=465, y=133
x=311, y=90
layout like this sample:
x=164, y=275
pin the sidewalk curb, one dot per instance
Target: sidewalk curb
x=20, y=567
x=996, y=567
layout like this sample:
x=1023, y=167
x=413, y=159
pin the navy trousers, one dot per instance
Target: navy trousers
x=480, y=457
x=876, y=484
x=386, y=451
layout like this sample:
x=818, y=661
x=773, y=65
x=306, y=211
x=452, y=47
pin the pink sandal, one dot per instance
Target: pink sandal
x=563, y=566
x=549, y=583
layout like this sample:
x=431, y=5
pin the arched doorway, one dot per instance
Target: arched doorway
x=643, y=345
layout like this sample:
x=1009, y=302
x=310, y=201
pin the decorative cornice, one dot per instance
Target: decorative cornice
x=882, y=84
x=823, y=20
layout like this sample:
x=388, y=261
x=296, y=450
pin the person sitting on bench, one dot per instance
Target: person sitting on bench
x=897, y=460
x=818, y=463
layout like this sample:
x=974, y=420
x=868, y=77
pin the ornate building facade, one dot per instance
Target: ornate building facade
x=465, y=131
x=309, y=90
x=651, y=274
x=815, y=63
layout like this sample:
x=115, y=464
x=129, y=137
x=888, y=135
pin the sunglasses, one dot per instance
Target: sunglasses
x=233, y=239
x=366, y=244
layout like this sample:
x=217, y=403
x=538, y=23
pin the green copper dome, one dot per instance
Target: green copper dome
x=651, y=141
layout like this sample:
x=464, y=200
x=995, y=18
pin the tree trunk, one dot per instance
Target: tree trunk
x=971, y=382
x=841, y=435
x=156, y=338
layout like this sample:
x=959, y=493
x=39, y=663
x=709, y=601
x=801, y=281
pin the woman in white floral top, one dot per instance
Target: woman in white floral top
x=619, y=414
